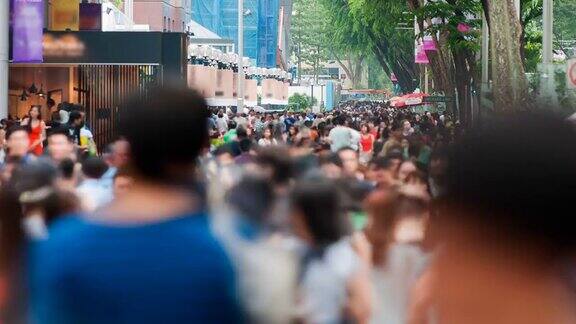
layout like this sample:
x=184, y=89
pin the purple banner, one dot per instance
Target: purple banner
x=27, y=26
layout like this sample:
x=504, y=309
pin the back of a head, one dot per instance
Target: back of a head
x=252, y=197
x=277, y=159
x=94, y=167
x=241, y=132
x=245, y=145
x=74, y=115
x=165, y=153
x=319, y=203
x=515, y=178
x=33, y=176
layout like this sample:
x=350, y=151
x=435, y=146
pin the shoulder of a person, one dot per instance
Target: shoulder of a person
x=65, y=233
x=342, y=257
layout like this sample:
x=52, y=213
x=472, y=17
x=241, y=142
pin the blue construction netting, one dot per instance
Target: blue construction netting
x=260, y=25
x=207, y=14
x=268, y=32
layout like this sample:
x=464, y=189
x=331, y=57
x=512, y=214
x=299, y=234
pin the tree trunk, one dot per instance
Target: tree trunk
x=510, y=87
x=404, y=72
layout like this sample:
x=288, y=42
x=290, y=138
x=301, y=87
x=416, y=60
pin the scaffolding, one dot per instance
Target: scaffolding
x=260, y=25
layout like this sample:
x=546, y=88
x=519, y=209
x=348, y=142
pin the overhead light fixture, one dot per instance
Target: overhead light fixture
x=41, y=93
x=24, y=95
x=33, y=89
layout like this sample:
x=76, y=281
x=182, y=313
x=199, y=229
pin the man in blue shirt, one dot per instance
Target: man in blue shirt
x=150, y=257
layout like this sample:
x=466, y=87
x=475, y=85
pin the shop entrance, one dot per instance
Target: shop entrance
x=102, y=89
x=98, y=90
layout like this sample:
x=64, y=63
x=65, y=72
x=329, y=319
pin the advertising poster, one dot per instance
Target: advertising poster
x=64, y=15
x=27, y=25
x=91, y=16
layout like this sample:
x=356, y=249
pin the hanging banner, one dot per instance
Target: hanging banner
x=235, y=85
x=208, y=84
x=251, y=93
x=64, y=15
x=91, y=16
x=285, y=87
x=27, y=25
x=202, y=79
x=223, y=89
x=268, y=91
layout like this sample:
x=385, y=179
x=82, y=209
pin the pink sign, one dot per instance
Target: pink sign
x=463, y=28
x=429, y=44
x=421, y=57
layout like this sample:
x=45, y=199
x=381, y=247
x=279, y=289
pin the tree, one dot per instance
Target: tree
x=564, y=26
x=300, y=102
x=509, y=82
x=309, y=33
x=367, y=26
x=453, y=26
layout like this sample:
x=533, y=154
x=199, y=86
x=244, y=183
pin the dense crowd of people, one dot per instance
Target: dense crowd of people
x=363, y=214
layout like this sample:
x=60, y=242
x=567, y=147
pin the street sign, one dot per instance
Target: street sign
x=571, y=73
x=431, y=99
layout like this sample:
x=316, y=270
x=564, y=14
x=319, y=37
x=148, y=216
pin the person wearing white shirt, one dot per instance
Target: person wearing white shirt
x=93, y=195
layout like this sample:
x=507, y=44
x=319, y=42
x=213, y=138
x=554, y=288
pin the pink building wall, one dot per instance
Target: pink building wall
x=167, y=15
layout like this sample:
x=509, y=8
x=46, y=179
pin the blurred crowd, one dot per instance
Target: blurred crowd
x=364, y=214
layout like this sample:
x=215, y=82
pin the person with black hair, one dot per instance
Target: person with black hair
x=154, y=239
x=395, y=139
x=383, y=171
x=75, y=124
x=60, y=146
x=335, y=283
x=340, y=136
x=221, y=123
x=18, y=144
x=267, y=139
x=395, y=231
x=30, y=201
x=246, y=156
x=505, y=226
x=350, y=163
x=91, y=191
x=116, y=156
x=36, y=129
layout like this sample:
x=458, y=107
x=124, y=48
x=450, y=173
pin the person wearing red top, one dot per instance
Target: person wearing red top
x=36, y=130
x=366, y=144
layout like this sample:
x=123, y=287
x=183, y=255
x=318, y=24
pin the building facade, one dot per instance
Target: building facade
x=266, y=27
x=163, y=15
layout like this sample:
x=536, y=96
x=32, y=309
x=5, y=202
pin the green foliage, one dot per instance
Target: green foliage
x=377, y=79
x=564, y=24
x=300, y=102
x=450, y=15
x=373, y=26
x=310, y=32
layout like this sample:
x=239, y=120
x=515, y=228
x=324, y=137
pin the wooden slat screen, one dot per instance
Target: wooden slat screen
x=103, y=88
